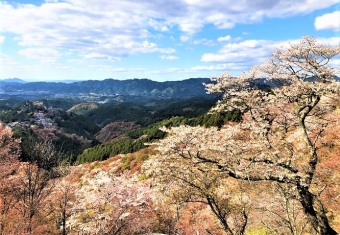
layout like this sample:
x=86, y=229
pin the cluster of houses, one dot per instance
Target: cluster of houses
x=38, y=118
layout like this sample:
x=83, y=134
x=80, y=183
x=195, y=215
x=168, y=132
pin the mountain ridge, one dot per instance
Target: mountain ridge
x=144, y=88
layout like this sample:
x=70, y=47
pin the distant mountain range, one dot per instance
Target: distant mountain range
x=12, y=80
x=124, y=90
x=134, y=90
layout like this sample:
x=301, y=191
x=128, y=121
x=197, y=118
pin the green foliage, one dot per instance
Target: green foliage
x=149, y=117
x=26, y=106
x=69, y=145
x=73, y=123
x=28, y=139
x=7, y=103
x=126, y=160
x=137, y=138
x=107, y=113
x=191, y=108
x=60, y=103
x=104, y=151
x=144, y=115
x=83, y=108
x=14, y=115
x=142, y=177
x=137, y=157
x=142, y=157
x=95, y=165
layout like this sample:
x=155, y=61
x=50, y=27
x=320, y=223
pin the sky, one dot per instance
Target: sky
x=163, y=40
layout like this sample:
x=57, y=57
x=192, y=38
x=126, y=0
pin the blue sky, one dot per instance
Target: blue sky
x=163, y=40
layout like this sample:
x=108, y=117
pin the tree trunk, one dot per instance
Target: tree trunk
x=221, y=216
x=315, y=212
x=64, y=222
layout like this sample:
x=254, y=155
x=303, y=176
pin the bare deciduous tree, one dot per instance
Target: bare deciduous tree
x=31, y=191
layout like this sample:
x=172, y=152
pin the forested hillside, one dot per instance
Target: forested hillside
x=85, y=125
x=143, y=114
x=134, y=140
x=259, y=161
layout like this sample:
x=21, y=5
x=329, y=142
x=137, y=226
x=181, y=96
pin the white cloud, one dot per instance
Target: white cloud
x=222, y=39
x=7, y=62
x=2, y=39
x=227, y=13
x=49, y=61
x=148, y=47
x=330, y=41
x=329, y=21
x=75, y=61
x=113, y=29
x=11, y=67
x=168, y=57
x=245, y=52
x=184, y=38
x=218, y=67
x=40, y=53
x=335, y=63
x=209, y=68
x=205, y=42
x=117, y=69
x=64, y=67
x=93, y=19
x=241, y=56
x=100, y=56
x=98, y=30
x=175, y=70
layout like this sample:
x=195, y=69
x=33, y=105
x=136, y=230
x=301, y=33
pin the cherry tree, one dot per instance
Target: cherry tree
x=285, y=211
x=9, y=150
x=111, y=203
x=64, y=196
x=181, y=176
x=31, y=191
x=281, y=131
x=9, y=153
x=24, y=188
